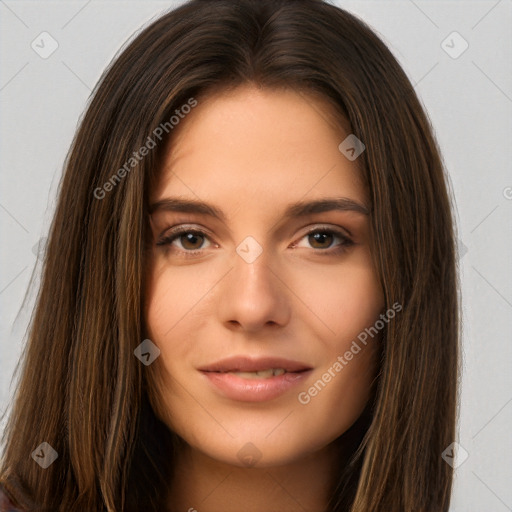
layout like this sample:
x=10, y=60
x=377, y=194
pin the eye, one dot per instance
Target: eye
x=323, y=238
x=191, y=241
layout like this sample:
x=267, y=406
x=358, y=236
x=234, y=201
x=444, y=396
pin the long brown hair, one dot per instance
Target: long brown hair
x=81, y=389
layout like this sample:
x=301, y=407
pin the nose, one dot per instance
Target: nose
x=253, y=295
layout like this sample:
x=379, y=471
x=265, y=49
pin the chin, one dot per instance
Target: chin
x=257, y=448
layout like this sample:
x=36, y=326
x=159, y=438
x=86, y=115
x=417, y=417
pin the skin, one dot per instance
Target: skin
x=251, y=152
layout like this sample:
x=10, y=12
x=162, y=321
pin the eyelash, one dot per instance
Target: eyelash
x=175, y=233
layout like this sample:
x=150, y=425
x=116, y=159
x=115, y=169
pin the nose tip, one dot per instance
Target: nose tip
x=253, y=296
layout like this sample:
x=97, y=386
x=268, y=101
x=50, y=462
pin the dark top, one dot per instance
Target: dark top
x=6, y=502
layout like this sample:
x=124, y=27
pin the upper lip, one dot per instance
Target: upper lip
x=248, y=364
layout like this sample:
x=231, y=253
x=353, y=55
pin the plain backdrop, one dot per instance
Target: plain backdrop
x=467, y=94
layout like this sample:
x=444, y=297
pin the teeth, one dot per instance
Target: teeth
x=263, y=374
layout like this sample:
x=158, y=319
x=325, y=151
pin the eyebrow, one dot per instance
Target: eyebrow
x=298, y=209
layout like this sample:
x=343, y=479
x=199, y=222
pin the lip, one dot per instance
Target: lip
x=249, y=364
x=254, y=390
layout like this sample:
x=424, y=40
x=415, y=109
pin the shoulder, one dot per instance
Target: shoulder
x=6, y=504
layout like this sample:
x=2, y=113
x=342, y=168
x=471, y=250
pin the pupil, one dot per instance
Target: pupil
x=190, y=238
x=320, y=237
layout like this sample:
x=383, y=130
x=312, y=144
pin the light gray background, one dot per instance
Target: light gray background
x=469, y=101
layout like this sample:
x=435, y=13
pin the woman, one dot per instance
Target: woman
x=302, y=354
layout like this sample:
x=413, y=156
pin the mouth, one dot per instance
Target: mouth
x=247, y=365
x=255, y=380
x=260, y=374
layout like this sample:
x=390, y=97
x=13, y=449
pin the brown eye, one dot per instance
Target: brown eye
x=324, y=239
x=191, y=240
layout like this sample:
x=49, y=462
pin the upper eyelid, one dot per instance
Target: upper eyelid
x=192, y=217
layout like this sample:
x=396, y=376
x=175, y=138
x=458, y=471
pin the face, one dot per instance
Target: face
x=254, y=305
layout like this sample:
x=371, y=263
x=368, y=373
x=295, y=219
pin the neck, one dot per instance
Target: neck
x=207, y=485
x=203, y=484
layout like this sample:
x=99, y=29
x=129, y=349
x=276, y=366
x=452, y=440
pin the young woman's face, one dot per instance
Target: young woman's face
x=250, y=285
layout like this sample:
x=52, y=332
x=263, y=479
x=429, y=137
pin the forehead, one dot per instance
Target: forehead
x=265, y=144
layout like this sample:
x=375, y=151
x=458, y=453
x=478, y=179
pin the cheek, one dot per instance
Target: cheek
x=175, y=303
x=178, y=305
x=343, y=299
x=336, y=398
x=171, y=314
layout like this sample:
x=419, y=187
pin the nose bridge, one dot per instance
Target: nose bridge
x=252, y=267
x=250, y=250
x=253, y=295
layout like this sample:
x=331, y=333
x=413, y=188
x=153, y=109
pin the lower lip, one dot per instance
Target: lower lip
x=255, y=390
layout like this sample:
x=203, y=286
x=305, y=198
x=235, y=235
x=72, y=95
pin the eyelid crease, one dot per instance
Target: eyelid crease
x=188, y=227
